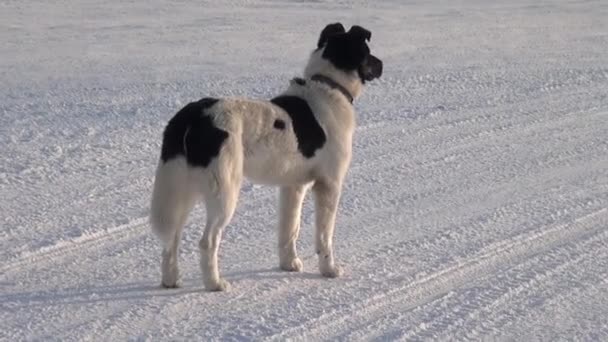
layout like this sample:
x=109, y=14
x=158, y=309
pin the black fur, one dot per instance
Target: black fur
x=279, y=124
x=309, y=133
x=328, y=31
x=193, y=134
x=346, y=51
x=359, y=33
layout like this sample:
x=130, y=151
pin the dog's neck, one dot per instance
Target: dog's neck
x=349, y=81
x=333, y=84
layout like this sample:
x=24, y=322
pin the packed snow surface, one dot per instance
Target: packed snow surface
x=476, y=206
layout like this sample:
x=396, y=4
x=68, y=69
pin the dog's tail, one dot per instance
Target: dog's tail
x=172, y=200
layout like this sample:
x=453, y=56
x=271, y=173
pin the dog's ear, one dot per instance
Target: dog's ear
x=359, y=33
x=329, y=31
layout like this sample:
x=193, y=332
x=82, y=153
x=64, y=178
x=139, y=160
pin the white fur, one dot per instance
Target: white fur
x=255, y=150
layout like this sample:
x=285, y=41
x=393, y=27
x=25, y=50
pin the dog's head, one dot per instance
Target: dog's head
x=345, y=57
x=348, y=51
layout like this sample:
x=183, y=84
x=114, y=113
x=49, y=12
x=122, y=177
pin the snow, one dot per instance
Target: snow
x=476, y=206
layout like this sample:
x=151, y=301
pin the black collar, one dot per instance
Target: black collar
x=332, y=84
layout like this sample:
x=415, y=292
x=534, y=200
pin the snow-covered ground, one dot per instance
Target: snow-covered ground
x=476, y=205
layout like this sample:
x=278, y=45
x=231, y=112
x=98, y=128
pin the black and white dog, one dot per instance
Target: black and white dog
x=302, y=137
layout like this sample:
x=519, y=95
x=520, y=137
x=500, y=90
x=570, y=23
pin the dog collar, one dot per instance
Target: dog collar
x=328, y=81
x=331, y=83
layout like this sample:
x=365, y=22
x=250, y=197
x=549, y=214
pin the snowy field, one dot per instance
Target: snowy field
x=476, y=206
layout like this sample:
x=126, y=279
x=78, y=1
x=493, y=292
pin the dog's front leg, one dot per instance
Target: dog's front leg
x=290, y=207
x=327, y=197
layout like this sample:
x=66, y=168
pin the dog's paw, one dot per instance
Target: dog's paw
x=331, y=271
x=170, y=281
x=219, y=285
x=295, y=265
x=170, y=285
x=170, y=278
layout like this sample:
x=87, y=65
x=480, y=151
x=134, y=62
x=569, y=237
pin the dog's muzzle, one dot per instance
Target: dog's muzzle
x=371, y=68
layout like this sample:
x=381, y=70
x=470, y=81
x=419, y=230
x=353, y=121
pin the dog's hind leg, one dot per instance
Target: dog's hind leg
x=169, y=265
x=220, y=209
x=290, y=208
x=172, y=201
x=326, y=204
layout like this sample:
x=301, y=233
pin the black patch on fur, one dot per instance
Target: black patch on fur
x=309, y=133
x=347, y=51
x=279, y=124
x=359, y=33
x=328, y=31
x=193, y=134
x=299, y=81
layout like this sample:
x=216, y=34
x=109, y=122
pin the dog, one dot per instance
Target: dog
x=298, y=140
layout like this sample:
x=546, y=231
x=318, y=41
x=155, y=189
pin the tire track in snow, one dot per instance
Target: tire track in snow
x=385, y=151
x=446, y=316
x=514, y=294
x=427, y=287
x=97, y=239
x=571, y=297
x=65, y=247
